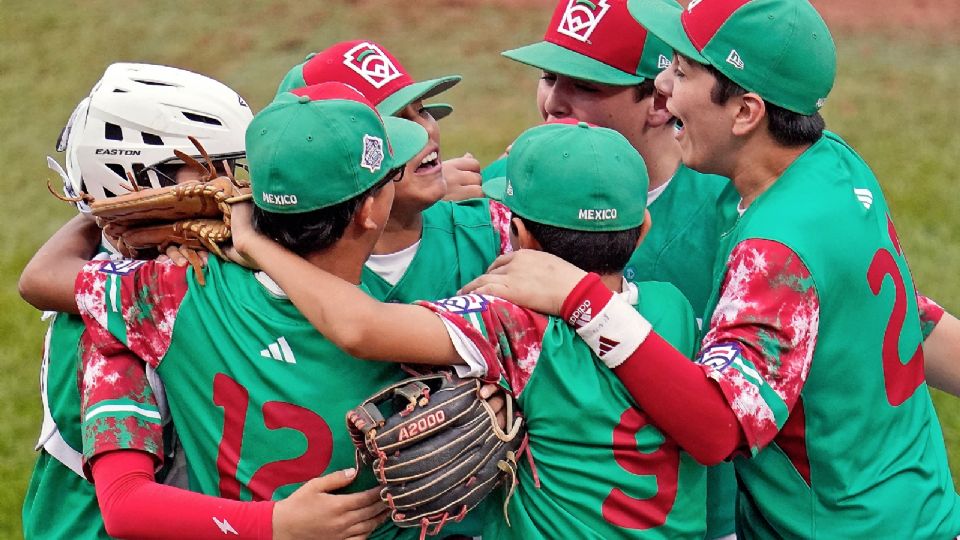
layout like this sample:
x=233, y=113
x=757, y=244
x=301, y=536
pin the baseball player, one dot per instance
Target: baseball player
x=575, y=190
x=429, y=248
x=598, y=65
x=120, y=106
x=124, y=99
x=812, y=361
x=257, y=394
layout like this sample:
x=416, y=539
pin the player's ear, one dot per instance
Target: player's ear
x=644, y=227
x=525, y=240
x=749, y=110
x=366, y=215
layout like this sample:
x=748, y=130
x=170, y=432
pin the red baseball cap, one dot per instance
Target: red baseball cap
x=374, y=72
x=597, y=40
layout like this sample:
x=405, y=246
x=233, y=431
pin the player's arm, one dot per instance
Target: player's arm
x=941, y=346
x=693, y=403
x=47, y=281
x=355, y=322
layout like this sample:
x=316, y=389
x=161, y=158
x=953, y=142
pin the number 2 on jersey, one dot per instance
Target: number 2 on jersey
x=900, y=379
x=235, y=400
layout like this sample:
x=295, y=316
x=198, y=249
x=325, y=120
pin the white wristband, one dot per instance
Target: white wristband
x=616, y=332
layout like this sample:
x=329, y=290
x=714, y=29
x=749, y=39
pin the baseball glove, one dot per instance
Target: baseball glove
x=193, y=215
x=436, y=448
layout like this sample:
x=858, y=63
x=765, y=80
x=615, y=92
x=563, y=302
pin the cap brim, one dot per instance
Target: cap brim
x=439, y=110
x=662, y=19
x=495, y=188
x=419, y=90
x=556, y=59
x=407, y=139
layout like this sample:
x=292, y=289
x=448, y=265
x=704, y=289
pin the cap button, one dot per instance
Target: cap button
x=583, y=124
x=304, y=99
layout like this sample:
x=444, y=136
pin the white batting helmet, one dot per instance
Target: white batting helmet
x=134, y=119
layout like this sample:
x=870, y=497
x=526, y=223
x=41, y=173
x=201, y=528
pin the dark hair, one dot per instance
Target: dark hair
x=786, y=127
x=644, y=90
x=600, y=252
x=309, y=232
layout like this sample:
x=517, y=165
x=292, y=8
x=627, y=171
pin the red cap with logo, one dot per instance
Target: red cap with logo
x=373, y=71
x=596, y=40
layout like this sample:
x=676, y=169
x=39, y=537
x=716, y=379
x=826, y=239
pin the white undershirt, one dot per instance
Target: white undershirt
x=392, y=266
x=654, y=193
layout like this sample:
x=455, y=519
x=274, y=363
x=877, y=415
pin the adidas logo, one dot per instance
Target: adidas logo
x=279, y=350
x=734, y=59
x=582, y=315
x=865, y=196
x=663, y=62
x=607, y=345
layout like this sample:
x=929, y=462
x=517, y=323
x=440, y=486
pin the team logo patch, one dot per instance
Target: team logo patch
x=509, y=189
x=734, y=59
x=121, y=267
x=719, y=357
x=372, y=157
x=581, y=18
x=369, y=61
x=821, y=102
x=467, y=303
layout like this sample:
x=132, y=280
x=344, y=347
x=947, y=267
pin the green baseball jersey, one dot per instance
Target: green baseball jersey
x=59, y=502
x=855, y=450
x=680, y=249
x=682, y=242
x=259, y=397
x=458, y=243
x=604, y=470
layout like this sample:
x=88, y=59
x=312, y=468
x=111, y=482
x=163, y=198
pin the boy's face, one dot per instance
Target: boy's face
x=614, y=107
x=423, y=182
x=704, y=128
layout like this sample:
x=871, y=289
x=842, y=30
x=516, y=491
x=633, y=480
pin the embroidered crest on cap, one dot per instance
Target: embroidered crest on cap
x=821, y=102
x=509, y=190
x=371, y=63
x=663, y=62
x=734, y=59
x=581, y=18
x=372, y=157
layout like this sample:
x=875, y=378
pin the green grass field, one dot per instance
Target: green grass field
x=895, y=102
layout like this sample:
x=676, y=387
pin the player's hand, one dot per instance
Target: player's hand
x=533, y=279
x=182, y=256
x=314, y=512
x=462, y=175
x=494, y=396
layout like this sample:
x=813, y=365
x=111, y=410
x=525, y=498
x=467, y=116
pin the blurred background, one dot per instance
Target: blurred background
x=896, y=102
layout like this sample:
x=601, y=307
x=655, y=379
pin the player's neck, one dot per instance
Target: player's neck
x=759, y=165
x=343, y=259
x=402, y=230
x=661, y=153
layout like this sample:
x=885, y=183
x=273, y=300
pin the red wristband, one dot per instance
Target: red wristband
x=587, y=298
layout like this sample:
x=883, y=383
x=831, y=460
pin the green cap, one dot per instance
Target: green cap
x=779, y=49
x=576, y=176
x=321, y=145
x=374, y=72
x=596, y=41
